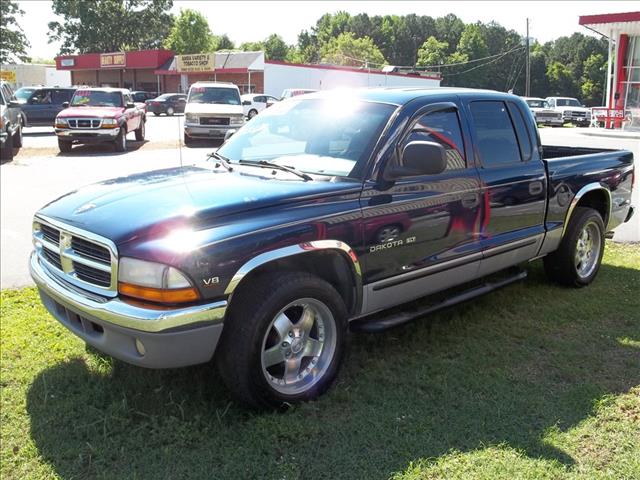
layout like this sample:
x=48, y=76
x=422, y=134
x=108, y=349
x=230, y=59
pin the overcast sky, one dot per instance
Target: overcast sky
x=255, y=20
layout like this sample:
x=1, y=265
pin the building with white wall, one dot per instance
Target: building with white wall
x=25, y=75
x=279, y=76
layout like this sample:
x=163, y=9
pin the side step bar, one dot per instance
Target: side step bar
x=380, y=323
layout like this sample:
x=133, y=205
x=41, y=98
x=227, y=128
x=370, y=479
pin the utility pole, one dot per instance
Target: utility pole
x=527, y=88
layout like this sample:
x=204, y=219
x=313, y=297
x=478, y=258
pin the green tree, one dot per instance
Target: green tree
x=251, y=46
x=593, y=79
x=561, y=80
x=346, y=49
x=190, y=34
x=472, y=42
x=275, y=48
x=110, y=25
x=222, y=42
x=13, y=42
x=432, y=52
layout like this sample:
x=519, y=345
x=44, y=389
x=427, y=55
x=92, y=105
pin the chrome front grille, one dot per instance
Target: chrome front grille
x=86, y=260
x=84, y=123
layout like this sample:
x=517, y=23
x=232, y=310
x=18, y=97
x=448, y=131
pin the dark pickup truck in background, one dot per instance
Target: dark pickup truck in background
x=322, y=213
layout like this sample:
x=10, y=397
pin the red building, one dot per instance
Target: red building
x=623, y=67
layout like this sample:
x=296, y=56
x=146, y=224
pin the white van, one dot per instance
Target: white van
x=212, y=110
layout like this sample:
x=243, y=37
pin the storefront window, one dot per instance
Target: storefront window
x=631, y=85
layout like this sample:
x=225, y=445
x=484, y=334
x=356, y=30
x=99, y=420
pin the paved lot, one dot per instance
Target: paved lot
x=40, y=174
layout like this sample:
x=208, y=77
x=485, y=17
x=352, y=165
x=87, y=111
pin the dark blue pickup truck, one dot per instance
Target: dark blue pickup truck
x=326, y=211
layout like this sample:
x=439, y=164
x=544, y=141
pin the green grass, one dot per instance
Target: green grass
x=532, y=381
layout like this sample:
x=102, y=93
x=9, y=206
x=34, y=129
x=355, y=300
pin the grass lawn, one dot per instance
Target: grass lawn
x=532, y=381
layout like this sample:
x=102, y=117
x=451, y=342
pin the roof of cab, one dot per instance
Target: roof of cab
x=400, y=96
x=215, y=84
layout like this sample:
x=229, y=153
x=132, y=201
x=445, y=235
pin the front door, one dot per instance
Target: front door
x=421, y=233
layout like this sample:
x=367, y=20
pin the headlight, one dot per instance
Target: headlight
x=191, y=118
x=61, y=122
x=154, y=282
x=109, y=121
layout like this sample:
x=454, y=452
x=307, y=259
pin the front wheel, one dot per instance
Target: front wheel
x=120, y=143
x=17, y=138
x=577, y=260
x=283, y=341
x=170, y=111
x=6, y=153
x=140, y=131
x=65, y=146
x=252, y=113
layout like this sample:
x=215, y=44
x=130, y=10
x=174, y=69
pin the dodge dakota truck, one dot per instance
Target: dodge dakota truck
x=326, y=212
x=100, y=115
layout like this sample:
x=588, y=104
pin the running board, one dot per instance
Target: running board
x=381, y=323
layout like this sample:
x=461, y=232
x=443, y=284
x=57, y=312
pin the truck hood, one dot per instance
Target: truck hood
x=213, y=108
x=102, y=112
x=152, y=204
x=573, y=109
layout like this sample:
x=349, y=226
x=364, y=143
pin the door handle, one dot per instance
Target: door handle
x=470, y=200
x=535, y=188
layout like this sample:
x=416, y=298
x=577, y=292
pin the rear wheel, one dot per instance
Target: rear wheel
x=140, y=131
x=156, y=114
x=577, y=260
x=283, y=341
x=65, y=146
x=120, y=143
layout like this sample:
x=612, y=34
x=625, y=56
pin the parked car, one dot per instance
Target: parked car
x=294, y=92
x=41, y=105
x=259, y=255
x=571, y=109
x=167, y=103
x=254, y=103
x=543, y=114
x=212, y=110
x=10, y=123
x=100, y=115
x=140, y=96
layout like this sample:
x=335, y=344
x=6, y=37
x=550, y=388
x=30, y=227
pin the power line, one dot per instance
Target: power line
x=480, y=66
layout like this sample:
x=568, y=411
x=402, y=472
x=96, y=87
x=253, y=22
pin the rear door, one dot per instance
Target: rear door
x=514, y=182
x=421, y=233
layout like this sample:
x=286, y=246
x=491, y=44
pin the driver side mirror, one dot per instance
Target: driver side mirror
x=419, y=158
x=65, y=104
x=130, y=105
x=246, y=103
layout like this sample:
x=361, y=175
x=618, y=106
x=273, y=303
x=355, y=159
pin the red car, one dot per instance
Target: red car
x=100, y=115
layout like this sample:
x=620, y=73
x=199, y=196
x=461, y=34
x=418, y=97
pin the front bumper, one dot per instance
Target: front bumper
x=97, y=135
x=147, y=337
x=209, y=131
x=3, y=137
x=550, y=121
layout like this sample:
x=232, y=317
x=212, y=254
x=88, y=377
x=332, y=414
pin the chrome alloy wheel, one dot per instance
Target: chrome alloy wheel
x=298, y=346
x=587, y=250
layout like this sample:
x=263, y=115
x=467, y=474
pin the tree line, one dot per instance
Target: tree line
x=477, y=55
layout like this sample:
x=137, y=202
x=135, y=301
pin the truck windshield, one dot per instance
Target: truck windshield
x=96, y=98
x=537, y=104
x=319, y=136
x=568, y=102
x=226, y=96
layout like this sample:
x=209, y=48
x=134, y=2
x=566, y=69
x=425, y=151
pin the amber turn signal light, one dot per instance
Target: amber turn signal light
x=177, y=295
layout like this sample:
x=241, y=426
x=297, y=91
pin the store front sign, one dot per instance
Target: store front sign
x=199, y=62
x=111, y=60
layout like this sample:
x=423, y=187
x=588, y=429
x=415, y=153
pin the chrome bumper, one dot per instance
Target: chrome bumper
x=162, y=338
x=88, y=132
x=209, y=131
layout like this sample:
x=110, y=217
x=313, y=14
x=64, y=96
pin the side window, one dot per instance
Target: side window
x=443, y=128
x=259, y=99
x=521, y=131
x=59, y=97
x=495, y=138
x=41, y=97
x=128, y=99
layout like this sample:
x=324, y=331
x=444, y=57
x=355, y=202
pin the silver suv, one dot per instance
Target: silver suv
x=10, y=123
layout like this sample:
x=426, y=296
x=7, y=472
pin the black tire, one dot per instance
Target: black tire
x=17, y=138
x=140, y=131
x=120, y=143
x=6, y=152
x=252, y=113
x=560, y=266
x=65, y=146
x=187, y=140
x=254, y=307
x=156, y=114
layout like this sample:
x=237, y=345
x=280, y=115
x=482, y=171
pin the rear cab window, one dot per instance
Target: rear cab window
x=496, y=141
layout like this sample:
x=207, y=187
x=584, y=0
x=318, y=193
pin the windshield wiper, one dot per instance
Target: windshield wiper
x=222, y=160
x=265, y=164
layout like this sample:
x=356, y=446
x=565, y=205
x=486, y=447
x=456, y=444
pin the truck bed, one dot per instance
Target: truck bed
x=550, y=152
